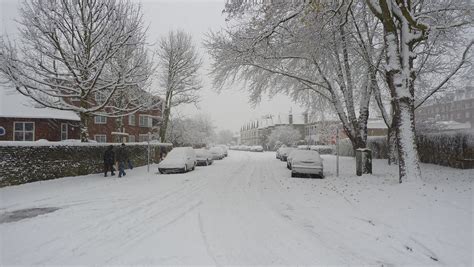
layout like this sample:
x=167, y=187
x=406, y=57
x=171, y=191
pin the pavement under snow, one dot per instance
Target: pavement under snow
x=246, y=210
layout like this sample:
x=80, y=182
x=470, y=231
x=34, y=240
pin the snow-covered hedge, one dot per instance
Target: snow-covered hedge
x=455, y=149
x=448, y=149
x=23, y=162
x=378, y=145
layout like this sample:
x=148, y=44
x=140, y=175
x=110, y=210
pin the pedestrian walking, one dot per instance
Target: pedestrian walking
x=122, y=158
x=109, y=159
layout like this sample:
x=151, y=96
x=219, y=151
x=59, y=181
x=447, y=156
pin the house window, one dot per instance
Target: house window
x=24, y=131
x=131, y=119
x=131, y=138
x=100, y=120
x=64, y=129
x=100, y=138
x=142, y=137
x=144, y=121
x=100, y=97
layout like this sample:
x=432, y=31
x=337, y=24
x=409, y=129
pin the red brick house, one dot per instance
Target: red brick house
x=21, y=120
x=130, y=128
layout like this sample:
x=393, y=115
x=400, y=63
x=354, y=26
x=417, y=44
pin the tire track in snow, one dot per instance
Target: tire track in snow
x=206, y=242
x=104, y=230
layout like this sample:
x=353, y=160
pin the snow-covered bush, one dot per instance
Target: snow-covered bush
x=454, y=149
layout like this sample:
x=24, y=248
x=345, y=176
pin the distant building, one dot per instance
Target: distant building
x=457, y=107
x=256, y=132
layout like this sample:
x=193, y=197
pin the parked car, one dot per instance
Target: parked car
x=284, y=152
x=306, y=162
x=225, y=149
x=279, y=151
x=304, y=147
x=217, y=153
x=203, y=157
x=256, y=148
x=179, y=159
x=290, y=157
x=323, y=150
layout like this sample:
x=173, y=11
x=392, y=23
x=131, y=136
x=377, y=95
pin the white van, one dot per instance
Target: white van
x=179, y=159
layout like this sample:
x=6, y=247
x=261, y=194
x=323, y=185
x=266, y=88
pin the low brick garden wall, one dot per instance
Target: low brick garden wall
x=24, y=162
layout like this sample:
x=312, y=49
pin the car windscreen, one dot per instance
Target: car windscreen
x=176, y=154
x=201, y=153
x=306, y=156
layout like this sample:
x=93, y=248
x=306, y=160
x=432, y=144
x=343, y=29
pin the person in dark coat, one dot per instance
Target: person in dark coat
x=122, y=158
x=109, y=159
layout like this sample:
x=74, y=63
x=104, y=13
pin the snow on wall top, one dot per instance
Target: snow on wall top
x=72, y=143
x=13, y=104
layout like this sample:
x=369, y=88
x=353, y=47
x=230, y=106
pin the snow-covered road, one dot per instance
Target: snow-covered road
x=246, y=210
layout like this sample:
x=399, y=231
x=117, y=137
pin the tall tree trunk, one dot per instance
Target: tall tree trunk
x=408, y=165
x=164, y=124
x=392, y=145
x=83, y=126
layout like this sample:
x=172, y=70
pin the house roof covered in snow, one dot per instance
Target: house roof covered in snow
x=15, y=105
x=376, y=124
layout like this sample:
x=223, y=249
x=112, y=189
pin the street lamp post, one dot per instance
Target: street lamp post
x=337, y=151
x=148, y=152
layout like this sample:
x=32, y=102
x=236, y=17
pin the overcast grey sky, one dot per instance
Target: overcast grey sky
x=229, y=109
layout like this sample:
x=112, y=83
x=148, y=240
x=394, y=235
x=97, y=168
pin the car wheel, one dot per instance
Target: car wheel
x=293, y=174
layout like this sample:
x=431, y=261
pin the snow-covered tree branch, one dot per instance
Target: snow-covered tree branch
x=179, y=64
x=78, y=55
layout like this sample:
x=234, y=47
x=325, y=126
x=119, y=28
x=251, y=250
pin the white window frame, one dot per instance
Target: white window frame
x=99, y=136
x=132, y=120
x=142, y=138
x=100, y=97
x=98, y=119
x=23, y=131
x=64, y=132
x=143, y=120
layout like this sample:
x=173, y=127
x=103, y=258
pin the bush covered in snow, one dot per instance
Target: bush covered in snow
x=454, y=149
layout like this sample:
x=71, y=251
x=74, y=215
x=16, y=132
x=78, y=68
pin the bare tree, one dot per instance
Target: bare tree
x=194, y=131
x=284, y=135
x=293, y=47
x=77, y=55
x=407, y=24
x=179, y=64
x=224, y=137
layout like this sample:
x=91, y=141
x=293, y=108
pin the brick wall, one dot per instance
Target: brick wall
x=24, y=162
x=49, y=129
x=112, y=125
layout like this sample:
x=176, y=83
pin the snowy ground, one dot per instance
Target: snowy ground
x=243, y=210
